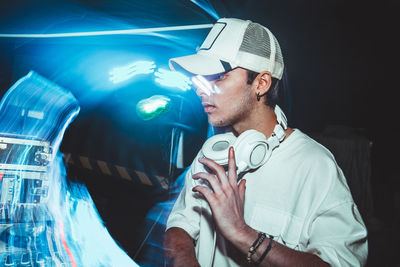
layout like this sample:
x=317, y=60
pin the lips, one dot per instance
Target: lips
x=208, y=107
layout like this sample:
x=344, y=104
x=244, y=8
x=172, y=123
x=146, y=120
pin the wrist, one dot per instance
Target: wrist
x=243, y=236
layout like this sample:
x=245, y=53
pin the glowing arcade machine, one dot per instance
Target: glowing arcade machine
x=40, y=221
x=33, y=116
x=24, y=190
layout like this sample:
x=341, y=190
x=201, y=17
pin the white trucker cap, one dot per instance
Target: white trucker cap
x=234, y=43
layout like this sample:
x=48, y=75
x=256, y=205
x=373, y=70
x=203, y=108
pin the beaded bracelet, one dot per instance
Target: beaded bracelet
x=255, y=245
x=266, y=251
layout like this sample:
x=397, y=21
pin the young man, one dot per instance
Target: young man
x=293, y=210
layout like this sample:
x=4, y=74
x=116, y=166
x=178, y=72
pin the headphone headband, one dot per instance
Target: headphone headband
x=280, y=117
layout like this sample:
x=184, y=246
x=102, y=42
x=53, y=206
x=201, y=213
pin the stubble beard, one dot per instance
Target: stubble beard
x=238, y=113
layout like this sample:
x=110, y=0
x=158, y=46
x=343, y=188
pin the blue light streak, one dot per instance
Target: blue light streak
x=203, y=4
x=121, y=74
x=173, y=79
x=89, y=239
x=103, y=33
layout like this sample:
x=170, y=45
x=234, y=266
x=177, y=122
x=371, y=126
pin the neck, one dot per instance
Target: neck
x=262, y=119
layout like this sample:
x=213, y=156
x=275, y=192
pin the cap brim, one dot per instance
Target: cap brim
x=197, y=64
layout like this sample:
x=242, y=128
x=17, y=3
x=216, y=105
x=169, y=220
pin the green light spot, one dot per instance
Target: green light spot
x=152, y=107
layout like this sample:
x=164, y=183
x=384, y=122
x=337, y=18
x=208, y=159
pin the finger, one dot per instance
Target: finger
x=232, y=170
x=218, y=170
x=206, y=192
x=211, y=179
x=242, y=189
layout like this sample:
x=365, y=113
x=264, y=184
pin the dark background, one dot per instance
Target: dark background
x=341, y=59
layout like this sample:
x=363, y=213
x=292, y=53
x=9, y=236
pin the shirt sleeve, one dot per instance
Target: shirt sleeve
x=337, y=233
x=339, y=236
x=187, y=208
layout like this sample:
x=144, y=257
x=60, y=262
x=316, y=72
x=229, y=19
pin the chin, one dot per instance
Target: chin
x=218, y=123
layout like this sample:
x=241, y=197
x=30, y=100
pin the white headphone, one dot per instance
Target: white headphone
x=252, y=148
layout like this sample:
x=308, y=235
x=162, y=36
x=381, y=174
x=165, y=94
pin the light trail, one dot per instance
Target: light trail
x=173, y=79
x=121, y=74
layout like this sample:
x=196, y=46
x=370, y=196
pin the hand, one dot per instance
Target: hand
x=226, y=199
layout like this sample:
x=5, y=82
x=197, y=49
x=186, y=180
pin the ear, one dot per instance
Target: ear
x=263, y=82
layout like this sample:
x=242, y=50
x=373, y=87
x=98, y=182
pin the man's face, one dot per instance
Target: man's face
x=232, y=102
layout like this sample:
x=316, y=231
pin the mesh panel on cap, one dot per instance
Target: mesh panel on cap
x=278, y=54
x=257, y=40
x=255, y=34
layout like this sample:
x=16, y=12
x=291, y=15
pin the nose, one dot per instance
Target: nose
x=200, y=91
x=201, y=94
x=202, y=86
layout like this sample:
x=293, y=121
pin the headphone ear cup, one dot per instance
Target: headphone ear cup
x=251, y=150
x=259, y=154
x=217, y=147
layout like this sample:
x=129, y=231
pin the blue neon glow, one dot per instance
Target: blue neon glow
x=173, y=79
x=124, y=73
x=84, y=69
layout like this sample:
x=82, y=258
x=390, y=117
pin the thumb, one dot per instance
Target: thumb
x=242, y=189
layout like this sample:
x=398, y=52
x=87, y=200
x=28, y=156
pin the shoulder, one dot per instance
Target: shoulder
x=299, y=144
x=314, y=161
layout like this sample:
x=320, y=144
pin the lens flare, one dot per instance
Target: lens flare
x=203, y=84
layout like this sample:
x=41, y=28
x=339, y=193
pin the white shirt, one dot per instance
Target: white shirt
x=300, y=196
